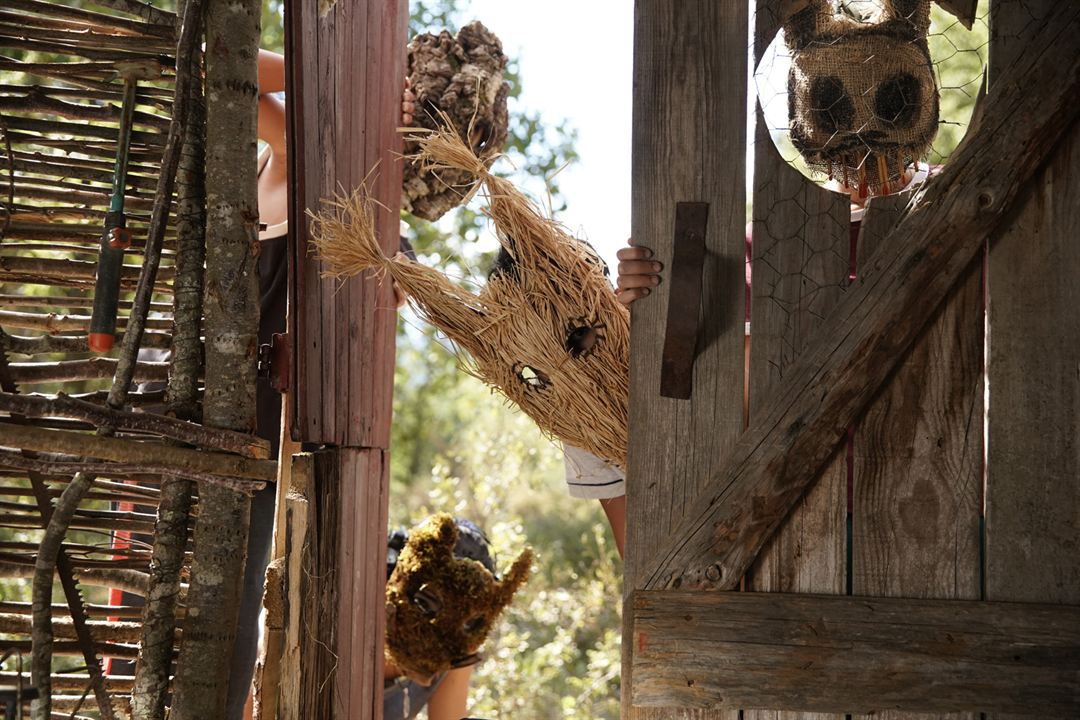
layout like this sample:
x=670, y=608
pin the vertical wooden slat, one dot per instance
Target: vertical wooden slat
x=364, y=493
x=296, y=512
x=329, y=366
x=1033, y=464
x=689, y=145
x=918, y=456
x=800, y=270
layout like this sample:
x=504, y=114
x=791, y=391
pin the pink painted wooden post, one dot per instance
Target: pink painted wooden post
x=346, y=76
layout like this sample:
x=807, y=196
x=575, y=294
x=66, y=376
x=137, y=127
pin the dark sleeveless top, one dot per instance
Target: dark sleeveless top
x=403, y=698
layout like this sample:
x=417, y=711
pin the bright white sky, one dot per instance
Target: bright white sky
x=576, y=64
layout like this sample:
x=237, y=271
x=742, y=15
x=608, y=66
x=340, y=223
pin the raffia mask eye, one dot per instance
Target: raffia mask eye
x=583, y=337
x=531, y=377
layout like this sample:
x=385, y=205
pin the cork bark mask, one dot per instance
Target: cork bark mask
x=460, y=77
x=862, y=94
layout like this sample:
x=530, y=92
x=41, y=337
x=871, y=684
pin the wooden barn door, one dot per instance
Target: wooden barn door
x=881, y=558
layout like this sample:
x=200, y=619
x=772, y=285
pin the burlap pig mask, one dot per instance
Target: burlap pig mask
x=440, y=607
x=546, y=330
x=862, y=95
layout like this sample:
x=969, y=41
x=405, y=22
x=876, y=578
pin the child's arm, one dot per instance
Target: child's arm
x=271, y=72
x=638, y=273
x=615, y=509
x=451, y=698
x=271, y=108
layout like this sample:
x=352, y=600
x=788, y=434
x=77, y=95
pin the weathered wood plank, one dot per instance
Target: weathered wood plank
x=366, y=475
x=269, y=679
x=831, y=654
x=918, y=455
x=296, y=544
x=801, y=242
x=182, y=461
x=352, y=68
x=689, y=146
x=1033, y=480
x=334, y=585
x=876, y=323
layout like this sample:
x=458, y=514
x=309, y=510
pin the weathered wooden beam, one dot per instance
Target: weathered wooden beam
x=1033, y=316
x=854, y=654
x=775, y=461
x=93, y=368
x=344, y=125
x=180, y=460
x=53, y=322
x=66, y=406
x=299, y=545
x=801, y=247
x=103, y=630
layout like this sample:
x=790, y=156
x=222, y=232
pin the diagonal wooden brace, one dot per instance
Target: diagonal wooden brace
x=790, y=439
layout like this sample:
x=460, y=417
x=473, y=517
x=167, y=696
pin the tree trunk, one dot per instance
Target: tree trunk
x=231, y=327
x=151, y=683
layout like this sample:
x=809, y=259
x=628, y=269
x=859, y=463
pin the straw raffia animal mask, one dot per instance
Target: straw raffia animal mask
x=439, y=607
x=862, y=95
x=546, y=330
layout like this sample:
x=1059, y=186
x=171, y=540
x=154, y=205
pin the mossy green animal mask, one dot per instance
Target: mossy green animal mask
x=440, y=608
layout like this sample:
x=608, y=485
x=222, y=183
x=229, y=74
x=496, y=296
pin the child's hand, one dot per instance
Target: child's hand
x=638, y=273
x=408, y=104
x=399, y=295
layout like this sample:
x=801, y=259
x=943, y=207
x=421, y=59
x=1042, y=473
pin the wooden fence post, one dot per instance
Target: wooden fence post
x=345, y=79
x=689, y=146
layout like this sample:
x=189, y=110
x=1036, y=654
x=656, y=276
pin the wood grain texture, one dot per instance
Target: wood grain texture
x=801, y=241
x=689, y=146
x=296, y=544
x=346, y=77
x=361, y=622
x=918, y=455
x=800, y=270
x=827, y=653
x=332, y=660
x=878, y=321
x=1033, y=487
x=1033, y=481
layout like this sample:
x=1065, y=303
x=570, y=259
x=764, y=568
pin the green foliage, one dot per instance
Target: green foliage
x=959, y=56
x=273, y=26
x=555, y=653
